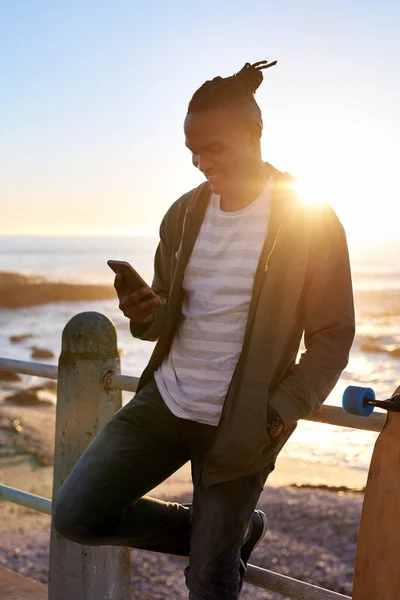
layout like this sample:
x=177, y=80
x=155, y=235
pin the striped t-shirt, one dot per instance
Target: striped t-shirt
x=194, y=377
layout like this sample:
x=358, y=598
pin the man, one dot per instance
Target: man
x=241, y=271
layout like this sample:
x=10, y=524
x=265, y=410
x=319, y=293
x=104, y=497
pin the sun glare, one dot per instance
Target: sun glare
x=309, y=192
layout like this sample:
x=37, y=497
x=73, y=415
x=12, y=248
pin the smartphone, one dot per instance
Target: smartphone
x=130, y=276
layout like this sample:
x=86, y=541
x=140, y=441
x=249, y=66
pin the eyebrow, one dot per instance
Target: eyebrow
x=207, y=147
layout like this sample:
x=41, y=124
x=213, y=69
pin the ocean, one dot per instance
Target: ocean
x=374, y=359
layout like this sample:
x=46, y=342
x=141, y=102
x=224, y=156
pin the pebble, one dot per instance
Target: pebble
x=42, y=353
x=28, y=397
x=16, y=339
x=9, y=376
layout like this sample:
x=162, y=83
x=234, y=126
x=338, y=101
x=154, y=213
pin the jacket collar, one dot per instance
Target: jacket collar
x=281, y=190
x=281, y=194
x=193, y=218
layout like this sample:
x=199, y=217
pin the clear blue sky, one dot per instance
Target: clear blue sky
x=93, y=97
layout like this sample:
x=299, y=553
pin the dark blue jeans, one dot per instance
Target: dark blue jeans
x=103, y=501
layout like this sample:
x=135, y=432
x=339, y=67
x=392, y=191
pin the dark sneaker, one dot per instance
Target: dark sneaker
x=259, y=524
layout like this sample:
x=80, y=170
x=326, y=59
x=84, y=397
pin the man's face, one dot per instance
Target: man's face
x=223, y=149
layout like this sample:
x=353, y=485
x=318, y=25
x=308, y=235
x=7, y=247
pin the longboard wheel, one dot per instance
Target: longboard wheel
x=353, y=400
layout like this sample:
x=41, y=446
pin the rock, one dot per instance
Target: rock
x=16, y=339
x=10, y=376
x=42, y=353
x=18, y=290
x=48, y=389
x=371, y=346
x=50, y=385
x=29, y=397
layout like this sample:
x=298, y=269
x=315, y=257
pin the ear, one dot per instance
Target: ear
x=255, y=131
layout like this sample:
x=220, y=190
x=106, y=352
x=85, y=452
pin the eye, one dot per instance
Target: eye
x=215, y=148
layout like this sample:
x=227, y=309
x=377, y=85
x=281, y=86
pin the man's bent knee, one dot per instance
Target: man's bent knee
x=69, y=522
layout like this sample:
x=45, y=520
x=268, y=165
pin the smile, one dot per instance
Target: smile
x=212, y=177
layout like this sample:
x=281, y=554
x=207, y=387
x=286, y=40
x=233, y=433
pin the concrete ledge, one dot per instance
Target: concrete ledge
x=14, y=586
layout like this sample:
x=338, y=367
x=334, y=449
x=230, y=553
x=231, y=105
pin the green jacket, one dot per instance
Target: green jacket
x=302, y=284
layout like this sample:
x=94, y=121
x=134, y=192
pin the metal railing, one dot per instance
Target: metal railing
x=330, y=415
x=89, y=386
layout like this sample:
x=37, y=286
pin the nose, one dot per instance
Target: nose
x=201, y=162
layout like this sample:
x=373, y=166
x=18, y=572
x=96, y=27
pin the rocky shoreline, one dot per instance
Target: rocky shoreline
x=18, y=290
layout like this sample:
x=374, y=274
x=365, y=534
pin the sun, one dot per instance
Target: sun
x=310, y=191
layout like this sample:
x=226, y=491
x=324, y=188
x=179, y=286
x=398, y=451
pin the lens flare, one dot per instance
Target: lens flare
x=309, y=191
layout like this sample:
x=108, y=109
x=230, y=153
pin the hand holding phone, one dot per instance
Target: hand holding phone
x=137, y=300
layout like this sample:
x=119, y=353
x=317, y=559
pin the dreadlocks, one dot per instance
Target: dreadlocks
x=236, y=91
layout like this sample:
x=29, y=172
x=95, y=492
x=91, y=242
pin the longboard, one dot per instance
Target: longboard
x=377, y=566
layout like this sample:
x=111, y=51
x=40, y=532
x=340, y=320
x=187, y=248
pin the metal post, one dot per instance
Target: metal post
x=89, y=351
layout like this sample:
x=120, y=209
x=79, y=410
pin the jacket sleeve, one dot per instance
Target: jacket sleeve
x=329, y=324
x=160, y=286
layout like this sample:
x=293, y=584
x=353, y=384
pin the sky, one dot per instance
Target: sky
x=94, y=94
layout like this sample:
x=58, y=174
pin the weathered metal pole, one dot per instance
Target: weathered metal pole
x=89, y=351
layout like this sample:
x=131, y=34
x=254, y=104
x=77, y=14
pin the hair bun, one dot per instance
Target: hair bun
x=252, y=75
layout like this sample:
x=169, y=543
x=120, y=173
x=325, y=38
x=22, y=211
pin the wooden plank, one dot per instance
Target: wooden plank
x=14, y=586
x=377, y=573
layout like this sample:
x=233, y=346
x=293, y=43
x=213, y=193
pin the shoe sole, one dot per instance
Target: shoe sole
x=263, y=532
x=264, y=529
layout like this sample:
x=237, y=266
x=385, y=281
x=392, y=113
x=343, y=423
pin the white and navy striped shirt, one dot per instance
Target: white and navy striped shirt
x=194, y=378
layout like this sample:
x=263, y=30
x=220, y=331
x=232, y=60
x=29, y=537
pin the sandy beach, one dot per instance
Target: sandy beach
x=313, y=511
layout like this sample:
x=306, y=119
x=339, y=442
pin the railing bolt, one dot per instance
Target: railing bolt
x=108, y=380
